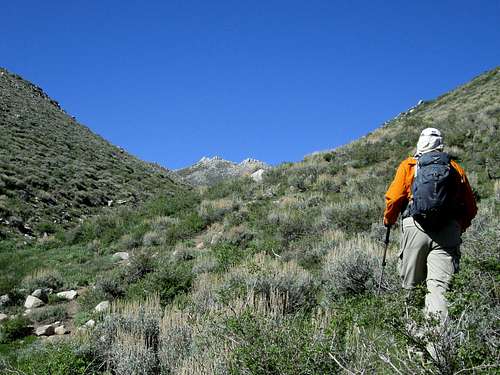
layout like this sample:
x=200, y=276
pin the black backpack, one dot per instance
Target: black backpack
x=434, y=190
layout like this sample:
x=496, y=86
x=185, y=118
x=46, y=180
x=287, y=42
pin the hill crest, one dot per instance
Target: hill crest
x=54, y=170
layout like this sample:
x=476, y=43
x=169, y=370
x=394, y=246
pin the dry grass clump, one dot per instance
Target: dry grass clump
x=176, y=338
x=42, y=278
x=352, y=215
x=213, y=234
x=153, y=238
x=302, y=176
x=95, y=246
x=204, y=295
x=128, y=242
x=291, y=222
x=214, y=210
x=160, y=223
x=264, y=275
x=132, y=355
x=130, y=335
x=350, y=268
x=310, y=251
x=205, y=262
x=327, y=183
x=183, y=251
x=238, y=235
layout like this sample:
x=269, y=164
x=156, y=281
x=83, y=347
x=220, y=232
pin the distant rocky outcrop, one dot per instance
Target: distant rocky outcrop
x=209, y=171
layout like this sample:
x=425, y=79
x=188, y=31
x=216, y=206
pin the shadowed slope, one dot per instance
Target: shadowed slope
x=54, y=170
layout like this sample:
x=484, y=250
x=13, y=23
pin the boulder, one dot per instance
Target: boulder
x=42, y=293
x=33, y=302
x=38, y=293
x=257, y=175
x=61, y=330
x=122, y=255
x=3, y=317
x=4, y=300
x=46, y=330
x=90, y=323
x=102, y=306
x=68, y=295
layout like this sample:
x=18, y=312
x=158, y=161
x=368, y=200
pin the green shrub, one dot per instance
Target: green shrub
x=14, y=329
x=48, y=314
x=302, y=176
x=282, y=346
x=141, y=263
x=227, y=255
x=168, y=281
x=290, y=223
x=62, y=358
x=110, y=286
x=43, y=278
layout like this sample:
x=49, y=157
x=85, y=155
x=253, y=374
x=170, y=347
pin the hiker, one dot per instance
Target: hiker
x=437, y=204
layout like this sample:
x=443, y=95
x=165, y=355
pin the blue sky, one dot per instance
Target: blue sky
x=172, y=81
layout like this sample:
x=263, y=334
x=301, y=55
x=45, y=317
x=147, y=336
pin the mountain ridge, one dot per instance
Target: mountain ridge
x=211, y=170
x=54, y=170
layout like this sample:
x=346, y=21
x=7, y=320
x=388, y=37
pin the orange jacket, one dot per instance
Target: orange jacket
x=399, y=194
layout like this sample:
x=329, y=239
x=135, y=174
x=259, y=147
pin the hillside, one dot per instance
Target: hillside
x=272, y=277
x=54, y=170
x=210, y=171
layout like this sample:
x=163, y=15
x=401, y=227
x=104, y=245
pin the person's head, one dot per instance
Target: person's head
x=430, y=140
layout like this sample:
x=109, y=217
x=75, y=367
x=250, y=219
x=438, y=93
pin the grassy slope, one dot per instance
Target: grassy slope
x=280, y=277
x=54, y=170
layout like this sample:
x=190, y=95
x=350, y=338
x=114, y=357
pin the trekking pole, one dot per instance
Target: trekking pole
x=386, y=242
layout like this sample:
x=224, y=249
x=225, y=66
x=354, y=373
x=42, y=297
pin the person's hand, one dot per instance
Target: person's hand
x=386, y=223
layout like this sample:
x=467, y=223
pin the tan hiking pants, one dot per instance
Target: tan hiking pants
x=433, y=257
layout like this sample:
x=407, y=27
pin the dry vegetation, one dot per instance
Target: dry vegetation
x=275, y=278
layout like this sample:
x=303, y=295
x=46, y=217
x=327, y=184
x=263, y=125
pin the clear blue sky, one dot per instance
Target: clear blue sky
x=172, y=81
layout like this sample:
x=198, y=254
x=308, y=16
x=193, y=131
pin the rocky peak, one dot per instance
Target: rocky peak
x=210, y=170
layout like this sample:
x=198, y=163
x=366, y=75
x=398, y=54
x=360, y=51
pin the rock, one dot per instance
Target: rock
x=42, y=293
x=37, y=293
x=257, y=175
x=46, y=330
x=216, y=238
x=33, y=302
x=27, y=312
x=122, y=255
x=3, y=317
x=68, y=295
x=90, y=323
x=4, y=300
x=103, y=306
x=200, y=245
x=61, y=330
x=209, y=171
